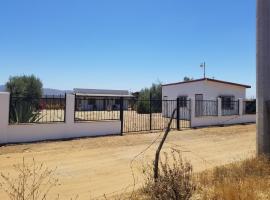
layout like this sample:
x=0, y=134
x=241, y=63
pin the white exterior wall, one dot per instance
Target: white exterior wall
x=210, y=90
x=39, y=132
x=220, y=120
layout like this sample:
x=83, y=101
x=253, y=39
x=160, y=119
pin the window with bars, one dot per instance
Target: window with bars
x=227, y=102
x=183, y=101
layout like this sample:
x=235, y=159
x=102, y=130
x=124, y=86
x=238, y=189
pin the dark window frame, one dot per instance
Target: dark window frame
x=183, y=101
x=227, y=102
x=91, y=101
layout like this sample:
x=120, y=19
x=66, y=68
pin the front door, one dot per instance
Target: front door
x=198, y=105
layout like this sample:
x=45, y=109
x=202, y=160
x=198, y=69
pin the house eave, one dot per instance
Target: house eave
x=208, y=79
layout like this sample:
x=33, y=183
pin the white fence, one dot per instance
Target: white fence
x=15, y=133
x=220, y=119
x=37, y=132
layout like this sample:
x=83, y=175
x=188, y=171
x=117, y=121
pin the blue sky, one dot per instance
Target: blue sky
x=127, y=44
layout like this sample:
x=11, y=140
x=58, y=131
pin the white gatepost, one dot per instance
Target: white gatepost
x=192, y=112
x=70, y=108
x=241, y=107
x=4, y=115
x=219, y=107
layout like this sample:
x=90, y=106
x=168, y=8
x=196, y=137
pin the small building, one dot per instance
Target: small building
x=100, y=100
x=204, y=89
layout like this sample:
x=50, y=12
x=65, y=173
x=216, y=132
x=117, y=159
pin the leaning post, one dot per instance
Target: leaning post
x=263, y=74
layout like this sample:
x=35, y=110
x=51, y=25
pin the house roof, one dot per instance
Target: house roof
x=208, y=79
x=101, y=93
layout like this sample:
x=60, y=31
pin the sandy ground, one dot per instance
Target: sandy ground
x=95, y=166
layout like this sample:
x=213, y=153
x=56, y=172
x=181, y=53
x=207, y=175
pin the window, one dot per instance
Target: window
x=91, y=101
x=183, y=101
x=117, y=101
x=227, y=102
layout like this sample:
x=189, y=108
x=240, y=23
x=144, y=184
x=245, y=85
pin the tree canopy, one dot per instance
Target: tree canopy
x=186, y=79
x=25, y=86
x=155, y=92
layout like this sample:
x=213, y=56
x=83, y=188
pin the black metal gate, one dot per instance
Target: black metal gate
x=147, y=115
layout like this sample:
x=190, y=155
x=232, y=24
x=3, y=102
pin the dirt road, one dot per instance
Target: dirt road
x=95, y=166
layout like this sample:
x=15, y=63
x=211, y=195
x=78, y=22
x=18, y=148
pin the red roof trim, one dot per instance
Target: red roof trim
x=209, y=79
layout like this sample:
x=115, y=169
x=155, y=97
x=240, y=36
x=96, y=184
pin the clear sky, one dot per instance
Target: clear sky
x=127, y=44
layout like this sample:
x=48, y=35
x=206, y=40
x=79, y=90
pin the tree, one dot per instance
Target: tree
x=25, y=92
x=186, y=78
x=155, y=91
x=25, y=86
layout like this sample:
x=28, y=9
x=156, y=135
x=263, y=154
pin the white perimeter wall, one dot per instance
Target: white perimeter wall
x=220, y=120
x=38, y=132
x=210, y=90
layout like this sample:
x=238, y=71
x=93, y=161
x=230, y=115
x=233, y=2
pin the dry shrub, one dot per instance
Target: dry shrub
x=174, y=182
x=247, y=180
x=31, y=182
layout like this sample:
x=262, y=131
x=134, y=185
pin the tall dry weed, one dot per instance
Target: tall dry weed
x=28, y=182
x=175, y=180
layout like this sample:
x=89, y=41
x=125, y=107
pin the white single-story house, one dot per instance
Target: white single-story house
x=204, y=89
x=100, y=100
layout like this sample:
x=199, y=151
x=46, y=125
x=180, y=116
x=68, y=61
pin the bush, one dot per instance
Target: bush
x=174, y=182
x=143, y=104
x=25, y=93
x=23, y=111
x=25, y=86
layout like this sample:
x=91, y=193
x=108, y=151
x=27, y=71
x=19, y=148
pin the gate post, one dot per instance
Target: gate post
x=178, y=113
x=150, y=110
x=122, y=114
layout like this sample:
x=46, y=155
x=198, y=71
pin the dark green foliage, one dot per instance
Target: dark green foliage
x=23, y=110
x=24, y=86
x=143, y=104
x=186, y=79
x=25, y=92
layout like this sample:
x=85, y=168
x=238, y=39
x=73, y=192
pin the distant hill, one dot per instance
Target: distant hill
x=46, y=91
x=50, y=91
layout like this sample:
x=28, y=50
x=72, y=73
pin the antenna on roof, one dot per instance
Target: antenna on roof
x=203, y=65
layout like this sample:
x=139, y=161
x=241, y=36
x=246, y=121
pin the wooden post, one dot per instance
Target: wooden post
x=168, y=129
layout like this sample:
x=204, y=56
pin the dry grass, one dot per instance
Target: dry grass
x=247, y=180
x=174, y=181
x=31, y=182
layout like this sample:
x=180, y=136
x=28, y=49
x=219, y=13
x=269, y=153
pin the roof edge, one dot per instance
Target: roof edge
x=208, y=79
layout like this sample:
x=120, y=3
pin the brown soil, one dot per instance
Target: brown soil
x=96, y=166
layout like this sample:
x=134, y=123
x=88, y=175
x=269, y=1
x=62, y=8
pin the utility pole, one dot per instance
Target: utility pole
x=203, y=66
x=263, y=77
